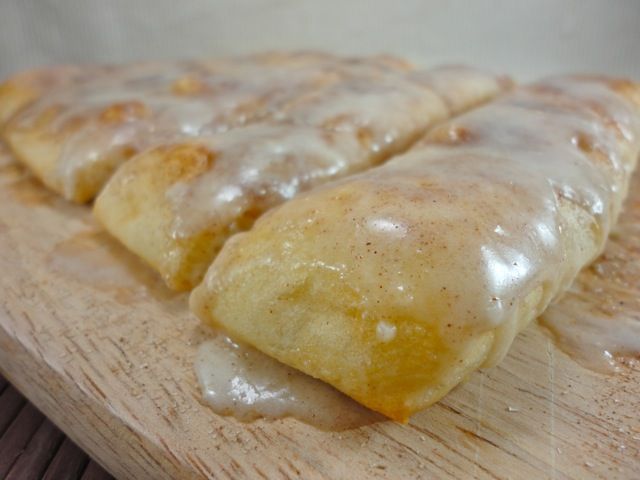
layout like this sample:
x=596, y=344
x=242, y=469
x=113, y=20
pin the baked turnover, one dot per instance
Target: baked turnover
x=73, y=126
x=395, y=284
x=175, y=205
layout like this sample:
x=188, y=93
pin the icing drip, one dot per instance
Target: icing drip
x=597, y=322
x=238, y=380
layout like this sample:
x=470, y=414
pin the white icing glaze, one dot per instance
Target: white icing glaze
x=516, y=158
x=597, y=322
x=460, y=243
x=385, y=332
x=476, y=229
x=384, y=112
x=344, y=128
x=260, y=166
x=238, y=380
x=117, y=111
x=93, y=258
x=454, y=83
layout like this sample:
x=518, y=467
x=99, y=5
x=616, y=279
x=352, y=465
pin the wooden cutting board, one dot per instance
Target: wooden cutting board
x=100, y=346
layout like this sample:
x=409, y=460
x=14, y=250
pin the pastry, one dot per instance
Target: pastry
x=73, y=126
x=25, y=88
x=175, y=205
x=394, y=285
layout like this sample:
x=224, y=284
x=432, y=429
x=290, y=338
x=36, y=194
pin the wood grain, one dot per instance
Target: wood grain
x=98, y=344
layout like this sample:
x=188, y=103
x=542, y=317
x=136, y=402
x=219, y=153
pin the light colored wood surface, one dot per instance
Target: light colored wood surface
x=102, y=348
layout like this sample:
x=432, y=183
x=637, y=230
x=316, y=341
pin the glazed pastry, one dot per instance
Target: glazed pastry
x=394, y=285
x=175, y=205
x=73, y=126
x=23, y=89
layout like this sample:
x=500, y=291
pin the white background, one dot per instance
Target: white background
x=526, y=37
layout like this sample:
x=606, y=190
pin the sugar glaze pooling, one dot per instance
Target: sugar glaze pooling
x=597, y=322
x=238, y=380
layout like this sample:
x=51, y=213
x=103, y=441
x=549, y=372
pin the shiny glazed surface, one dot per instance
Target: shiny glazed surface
x=458, y=244
x=104, y=112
